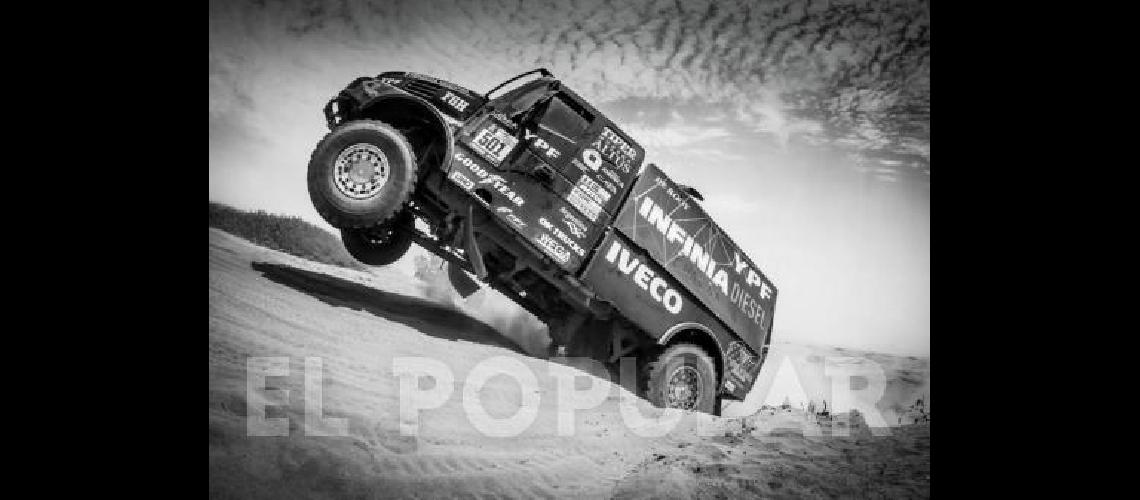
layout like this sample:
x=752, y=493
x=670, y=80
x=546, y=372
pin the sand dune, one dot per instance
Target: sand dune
x=265, y=304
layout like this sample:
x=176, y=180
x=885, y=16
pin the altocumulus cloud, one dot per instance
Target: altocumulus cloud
x=853, y=75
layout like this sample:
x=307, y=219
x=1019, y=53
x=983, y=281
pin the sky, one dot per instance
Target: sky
x=805, y=124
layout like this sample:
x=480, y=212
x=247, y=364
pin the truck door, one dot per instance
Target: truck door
x=595, y=161
x=574, y=152
x=550, y=172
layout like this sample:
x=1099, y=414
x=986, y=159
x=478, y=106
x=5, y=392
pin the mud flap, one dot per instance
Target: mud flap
x=471, y=248
x=463, y=284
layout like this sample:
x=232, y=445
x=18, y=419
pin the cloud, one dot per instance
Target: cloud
x=678, y=132
x=850, y=74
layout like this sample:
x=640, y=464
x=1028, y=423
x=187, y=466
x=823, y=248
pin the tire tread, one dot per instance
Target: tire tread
x=333, y=216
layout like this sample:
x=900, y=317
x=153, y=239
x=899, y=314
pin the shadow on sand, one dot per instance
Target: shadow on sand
x=431, y=318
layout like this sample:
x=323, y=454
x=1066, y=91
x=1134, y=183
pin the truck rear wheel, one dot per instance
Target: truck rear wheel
x=380, y=245
x=683, y=376
x=361, y=174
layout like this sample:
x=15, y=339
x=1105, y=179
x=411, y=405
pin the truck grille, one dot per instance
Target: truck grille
x=423, y=90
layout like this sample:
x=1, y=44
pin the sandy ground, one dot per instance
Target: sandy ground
x=265, y=304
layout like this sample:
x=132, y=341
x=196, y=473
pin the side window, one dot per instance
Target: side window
x=562, y=118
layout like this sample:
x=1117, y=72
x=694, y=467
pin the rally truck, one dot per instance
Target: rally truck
x=530, y=190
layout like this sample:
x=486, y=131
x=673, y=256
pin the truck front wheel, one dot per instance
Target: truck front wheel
x=361, y=174
x=683, y=376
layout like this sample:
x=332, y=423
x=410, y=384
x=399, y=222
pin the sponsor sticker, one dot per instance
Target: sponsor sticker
x=555, y=250
x=702, y=251
x=541, y=144
x=644, y=277
x=609, y=186
x=573, y=223
x=496, y=181
x=454, y=101
x=494, y=143
x=610, y=145
x=510, y=215
x=584, y=203
x=592, y=159
x=499, y=184
x=615, y=178
x=462, y=180
x=741, y=361
x=591, y=188
x=562, y=236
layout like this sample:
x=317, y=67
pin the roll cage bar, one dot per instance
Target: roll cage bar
x=545, y=72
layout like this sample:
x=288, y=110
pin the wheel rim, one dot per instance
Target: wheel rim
x=361, y=170
x=684, y=388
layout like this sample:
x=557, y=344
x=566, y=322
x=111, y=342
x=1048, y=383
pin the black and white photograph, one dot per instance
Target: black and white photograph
x=569, y=249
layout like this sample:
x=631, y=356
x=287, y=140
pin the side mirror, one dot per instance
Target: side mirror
x=693, y=193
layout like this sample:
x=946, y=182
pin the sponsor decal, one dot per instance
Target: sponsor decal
x=494, y=143
x=494, y=180
x=392, y=81
x=511, y=217
x=592, y=189
x=462, y=180
x=573, y=223
x=610, y=145
x=592, y=159
x=454, y=101
x=615, y=178
x=562, y=236
x=609, y=186
x=645, y=278
x=584, y=202
x=552, y=248
x=741, y=361
x=500, y=185
x=542, y=145
x=746, y=280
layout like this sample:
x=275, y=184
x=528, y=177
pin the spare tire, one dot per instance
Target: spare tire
x=380, y=245
x=361, y=174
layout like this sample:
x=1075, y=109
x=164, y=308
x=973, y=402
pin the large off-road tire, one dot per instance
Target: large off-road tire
x=683, y=376
x=380, y=245
x=361, y=174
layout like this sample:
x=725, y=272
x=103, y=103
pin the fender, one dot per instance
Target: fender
x=382, y=94
x=680, y=327
x=718, y=357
